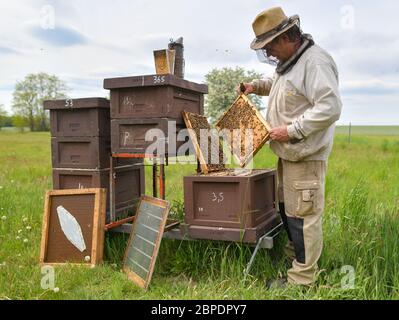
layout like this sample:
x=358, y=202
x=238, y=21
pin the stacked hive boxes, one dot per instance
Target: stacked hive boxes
x=80, y=143
x=141, y=103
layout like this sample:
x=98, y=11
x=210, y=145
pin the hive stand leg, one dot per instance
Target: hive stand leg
x=154, y=178
x=112, y=177
x=162, y=179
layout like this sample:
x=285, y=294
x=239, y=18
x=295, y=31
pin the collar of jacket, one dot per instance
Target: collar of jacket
x=285, y=67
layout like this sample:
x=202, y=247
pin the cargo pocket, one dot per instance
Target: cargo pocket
x=306, y=193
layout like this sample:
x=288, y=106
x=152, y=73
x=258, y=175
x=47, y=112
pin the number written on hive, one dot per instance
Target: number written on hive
x=159, y=79
x=217, y=197
x=69, y=103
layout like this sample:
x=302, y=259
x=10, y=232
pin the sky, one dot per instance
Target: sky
x=83, y=42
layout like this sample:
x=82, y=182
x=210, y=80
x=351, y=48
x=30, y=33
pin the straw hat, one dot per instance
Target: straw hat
x=269, y=24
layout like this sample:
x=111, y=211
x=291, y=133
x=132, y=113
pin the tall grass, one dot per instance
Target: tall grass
x=360, y=234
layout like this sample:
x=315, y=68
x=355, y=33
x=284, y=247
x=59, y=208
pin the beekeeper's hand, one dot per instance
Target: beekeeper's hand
x=249, y=88
x=280, y=134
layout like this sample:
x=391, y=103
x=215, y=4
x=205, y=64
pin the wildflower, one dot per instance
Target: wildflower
x=25, y=240
x=28, y=228
x=87, y=258
x=25, y=219
x=18, y=237
x=4, y=218
x=56, y=289
x=19, y=231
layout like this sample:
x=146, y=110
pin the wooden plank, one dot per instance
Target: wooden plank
x=243, y=115
x=144, y=280
x=79, y=202
x=43, y=246
x=98, y=226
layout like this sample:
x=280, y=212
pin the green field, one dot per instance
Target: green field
x=369, y=130
x=361, y=228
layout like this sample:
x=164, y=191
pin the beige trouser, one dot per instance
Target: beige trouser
x=301, y=188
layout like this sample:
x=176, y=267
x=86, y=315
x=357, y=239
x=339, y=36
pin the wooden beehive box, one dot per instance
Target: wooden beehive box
x=231, y=206
x=154, y=96
x=81, y=152
x=87, y=117
x=235, y=122
x=128, y=136
x=208, y=151
x=129, y=182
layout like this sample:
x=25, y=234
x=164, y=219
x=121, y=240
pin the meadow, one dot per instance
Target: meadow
x=361, y=227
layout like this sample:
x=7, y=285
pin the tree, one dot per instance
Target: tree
x=3, y=116
x=222, y=85
x=19, y=122
x=29, y=95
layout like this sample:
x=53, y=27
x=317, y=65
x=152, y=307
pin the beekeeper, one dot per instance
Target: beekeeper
x=304, y=104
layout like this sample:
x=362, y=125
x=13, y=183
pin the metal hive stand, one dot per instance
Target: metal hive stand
x=173, y=230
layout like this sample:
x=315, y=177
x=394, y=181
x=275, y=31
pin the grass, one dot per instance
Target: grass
x=361, y=227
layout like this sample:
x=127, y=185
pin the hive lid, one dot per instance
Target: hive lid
x=243, y=115
x=154, y=80
x=82, y=103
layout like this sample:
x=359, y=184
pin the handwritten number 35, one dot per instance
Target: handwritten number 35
x=217, y=197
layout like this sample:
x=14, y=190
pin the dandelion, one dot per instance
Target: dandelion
x=56, y=289
x=28, y=228
x=87, y=258
x=19, y=231
x=25, y=240
x=18, y=237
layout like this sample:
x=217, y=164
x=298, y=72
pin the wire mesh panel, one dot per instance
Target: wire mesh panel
x=145, y=239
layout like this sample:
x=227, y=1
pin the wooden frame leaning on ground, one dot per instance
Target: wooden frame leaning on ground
x=144, y=282
x=98, y=225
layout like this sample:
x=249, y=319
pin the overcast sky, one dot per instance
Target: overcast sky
x=87, y=41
